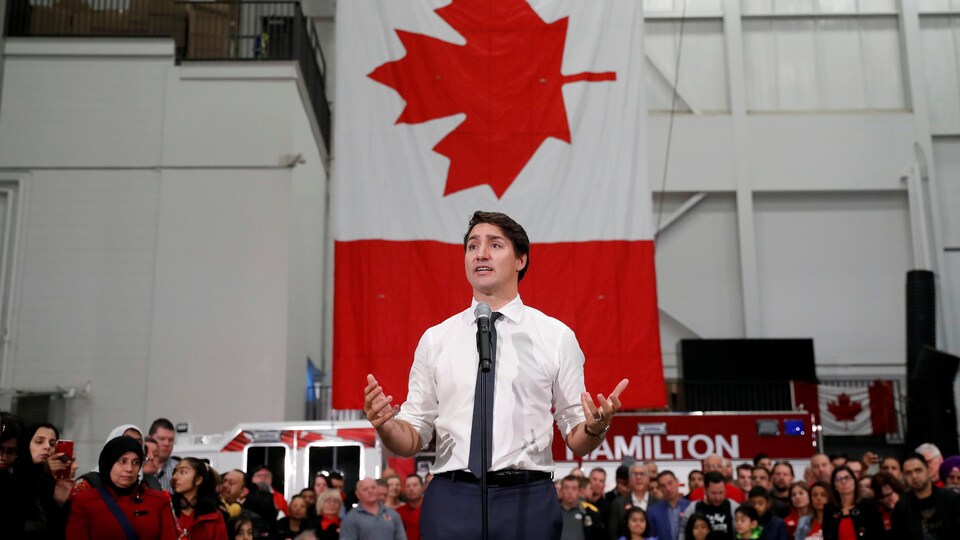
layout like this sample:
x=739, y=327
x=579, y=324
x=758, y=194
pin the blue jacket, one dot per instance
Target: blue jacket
x=774, y=528
x=658, y=519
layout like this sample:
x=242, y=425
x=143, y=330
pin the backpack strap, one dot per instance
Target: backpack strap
x=118, y=514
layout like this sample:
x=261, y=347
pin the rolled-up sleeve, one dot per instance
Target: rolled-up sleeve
x=568, y=386
x=421, y=407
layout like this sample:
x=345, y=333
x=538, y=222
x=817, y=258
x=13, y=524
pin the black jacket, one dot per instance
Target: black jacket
x=36, y=514
x=908, y=524
x=866, y=521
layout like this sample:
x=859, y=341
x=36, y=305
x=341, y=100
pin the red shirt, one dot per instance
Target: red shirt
x=816, y=529
x=887, y=517
x=733, y=492
x=846, y=530
x=411, y=520
x=791, y=522
x=186, y=521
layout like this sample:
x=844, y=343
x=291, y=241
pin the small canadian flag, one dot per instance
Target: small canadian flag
x=857, y=410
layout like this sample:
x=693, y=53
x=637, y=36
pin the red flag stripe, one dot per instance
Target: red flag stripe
x=389, y=292
x=883, y=414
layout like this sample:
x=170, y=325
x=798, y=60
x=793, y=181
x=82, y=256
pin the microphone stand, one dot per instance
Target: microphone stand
x=484, y=510
x=485, y=340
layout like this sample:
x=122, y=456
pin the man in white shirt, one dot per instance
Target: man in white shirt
x=639, y=496
x=537, y=368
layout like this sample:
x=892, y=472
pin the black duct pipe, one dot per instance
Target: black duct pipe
x=931, y=409
x=921, y=315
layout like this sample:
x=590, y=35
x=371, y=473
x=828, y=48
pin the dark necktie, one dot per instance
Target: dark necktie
x=475, y=456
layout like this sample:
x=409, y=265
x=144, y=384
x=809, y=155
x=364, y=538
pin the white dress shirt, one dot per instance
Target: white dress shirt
x=641, y=503
x=539, y=367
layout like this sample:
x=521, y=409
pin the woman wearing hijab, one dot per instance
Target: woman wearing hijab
x=122, y=507
x=195, y=501
x=91, y=480
x=42, y=480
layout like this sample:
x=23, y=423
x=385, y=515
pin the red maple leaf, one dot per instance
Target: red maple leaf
x=843, y=409
x=506, y=79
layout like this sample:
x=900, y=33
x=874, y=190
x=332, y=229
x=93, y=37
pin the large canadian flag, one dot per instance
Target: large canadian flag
x=532, y=108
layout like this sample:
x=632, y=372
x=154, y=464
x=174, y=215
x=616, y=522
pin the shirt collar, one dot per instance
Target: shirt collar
x=379, y=511
x=512, y=312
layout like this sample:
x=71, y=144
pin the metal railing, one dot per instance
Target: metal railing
x=733, y=395
x=247, y=31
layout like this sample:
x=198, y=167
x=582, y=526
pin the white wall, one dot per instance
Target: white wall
x=698, y=274
x=833, y=267
x=220, y=297
x=165, y=247
x=85, y=292
x=805, y=227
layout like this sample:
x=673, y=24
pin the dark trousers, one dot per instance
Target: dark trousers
x=451, y=510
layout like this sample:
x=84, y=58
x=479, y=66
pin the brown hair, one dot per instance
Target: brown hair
x=511, y=229
x=885, y=479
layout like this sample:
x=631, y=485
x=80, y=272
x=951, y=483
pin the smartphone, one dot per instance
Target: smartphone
x=64, y=447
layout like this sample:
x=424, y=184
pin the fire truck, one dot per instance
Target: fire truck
x=296, y=451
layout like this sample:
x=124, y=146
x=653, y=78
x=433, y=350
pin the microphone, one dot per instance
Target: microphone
x=483, y=314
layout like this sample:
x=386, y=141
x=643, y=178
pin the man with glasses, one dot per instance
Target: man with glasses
x=639, y=496
x=926, y=511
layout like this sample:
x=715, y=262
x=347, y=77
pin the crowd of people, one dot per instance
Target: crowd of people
x=916, y=497
x=140, y=490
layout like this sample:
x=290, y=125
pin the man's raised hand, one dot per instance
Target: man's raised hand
x=376, y=405
x=601, y=413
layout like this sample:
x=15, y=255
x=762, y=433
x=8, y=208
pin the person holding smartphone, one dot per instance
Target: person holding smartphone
x=43, y=480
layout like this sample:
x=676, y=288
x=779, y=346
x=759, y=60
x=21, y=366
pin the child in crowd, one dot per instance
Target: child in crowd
x=698, y=527
x=636, y=521
x=747, y=522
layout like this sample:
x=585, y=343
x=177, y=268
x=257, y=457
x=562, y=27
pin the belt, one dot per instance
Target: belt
x=504, y=478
